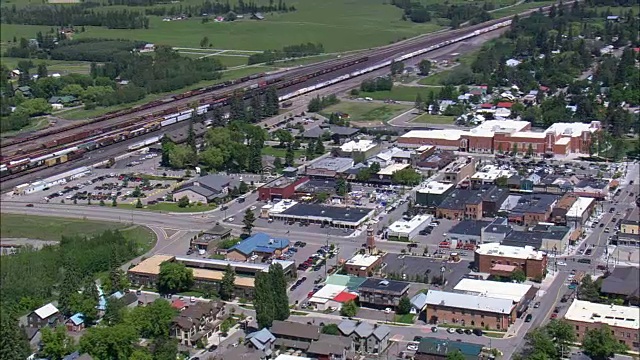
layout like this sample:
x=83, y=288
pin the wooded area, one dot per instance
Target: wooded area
x=288, y=52
x=74, y=15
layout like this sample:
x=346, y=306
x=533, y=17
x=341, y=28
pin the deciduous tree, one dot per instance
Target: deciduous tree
x=174, y=278
x=601, y=344
x=56, y=344
x=109, y=342
x=227, y=285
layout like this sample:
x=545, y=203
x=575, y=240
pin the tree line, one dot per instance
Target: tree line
x=382, y=83
x=271, y=301
x=456, y=13
x=318, y=103
x=287, y=52
x=206, y=8
x=74, y=15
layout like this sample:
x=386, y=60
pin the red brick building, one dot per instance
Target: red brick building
x=501, y=260
x=281, y=189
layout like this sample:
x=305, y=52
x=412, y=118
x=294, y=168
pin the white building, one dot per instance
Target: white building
x=490, y=173
x=494, y=289
x=579, y=212
x=357, y=146
x=407, y=230
x=323, y=299
x=515, y=252
x=391, y=169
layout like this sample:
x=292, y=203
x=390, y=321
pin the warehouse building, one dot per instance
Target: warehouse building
x=433, y=193
x=342, y=217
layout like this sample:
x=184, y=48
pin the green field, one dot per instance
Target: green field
x=519, y=8
x=53, y=228
x=361, y=112
x=400, y=93
x=338, y=25
x=433, y=119
x=54, y=66
x=437, y=78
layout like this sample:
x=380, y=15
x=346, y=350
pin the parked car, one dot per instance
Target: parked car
x=536, y=305
x=478, y=332
x=528, y=318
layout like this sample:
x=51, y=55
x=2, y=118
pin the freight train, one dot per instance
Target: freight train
x=75, y=145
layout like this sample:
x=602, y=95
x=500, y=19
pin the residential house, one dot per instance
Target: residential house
x=261, y=340
x=382, y=293
x=197, y=322
x=366, y=338
x=77, y=356
x=129, y=299
x=47, y=315
x=329, y=347
x=294, y=335
x=75, y=323
x=205, y=189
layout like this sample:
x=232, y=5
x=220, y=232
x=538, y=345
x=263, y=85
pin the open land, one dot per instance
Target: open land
x=367, y=112
x=400, y=93
x=434, y=119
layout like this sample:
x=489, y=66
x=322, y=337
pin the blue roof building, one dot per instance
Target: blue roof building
x=260, y=244
x=77, y=319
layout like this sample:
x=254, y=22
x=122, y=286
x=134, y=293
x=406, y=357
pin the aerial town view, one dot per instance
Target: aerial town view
x=333, y=180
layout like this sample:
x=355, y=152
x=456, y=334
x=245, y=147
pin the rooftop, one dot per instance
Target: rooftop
x=151, y=265
x=351, y=282
x=406, y=227
x=217, y=275
x=461, y=197
x=391, y=169
x=373, y=284
x=468, y=227
x=493, y=289
x=294, y=329
x=470, y=302
x=46, y=311
x=503, y=125
x=535, y=203
x=496, y=249
x=357, y=146
x=260, y=242
x=332, y=164
x=363, y=260
x=329, y=291
x=449, y=134
x=573, y=129
x=491, y=173
x=612, y=315
x=333, y=214
x=435, y=188
x=622, y=281
x=433, y=346
x=521, y=239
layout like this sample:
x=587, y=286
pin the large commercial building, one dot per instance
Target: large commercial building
x=501, y=260
x=280, y=189
x=406, y=230
x=337, y=216
x=458, y=170
x=506, y=135
x=329, y=167
x=469, y=310
x=624, y=321
x=433, y=193
x=358, y=150
x=206, y=272
x=520, y=294
x=533, y=208
x=472, y=203
x=259, y=245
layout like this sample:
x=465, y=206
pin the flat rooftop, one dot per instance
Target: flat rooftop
x=391, y=169
x=330, y=213
x=535, y=203
x=612, y=315
x=495, y=249
x=151, y=265
x=406, y=227
x=362, y=260
x=491, y=173
x=360, y=145
x=572, y=129
x=493, y=289
x=215, y=275
x=449, y=134
x=469, y=302
x=332, y=164
x=435, y=188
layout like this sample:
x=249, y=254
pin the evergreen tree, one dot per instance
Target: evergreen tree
x=68, y=287
x=227, y=285
x=419, y=103
x=279, y=289
x=42, y=71
x=289, y=156
x=255, y=159
x=249, y=219
x=13, y=342
x=271, y=103
x=319, y=148
x=311, y=150
x=277, y=163
x=264, y=300
x=191, y=135
x=257, y=108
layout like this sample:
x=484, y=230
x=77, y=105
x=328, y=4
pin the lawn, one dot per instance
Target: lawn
x=167, y=207
x=400, y=93
x=82, y=114
x=54, y=66
x=433, y=119
x=405, y=319
x=338, y=25
x=360, y=111
x=53, y=228
x=35, y=124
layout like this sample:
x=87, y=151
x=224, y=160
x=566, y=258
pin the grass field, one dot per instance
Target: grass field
x=433, y=119
x=519, y=8
x=400, y=93
x=53, y=228
x=436, y=79
x=360, y=112
x=338, y=25
x=54, y=66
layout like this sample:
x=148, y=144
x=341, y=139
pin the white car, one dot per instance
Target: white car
x=412, y=347
x=230, y=219
x=252, y=208
x=562, y=263
x=387, y=311
x=451, y=330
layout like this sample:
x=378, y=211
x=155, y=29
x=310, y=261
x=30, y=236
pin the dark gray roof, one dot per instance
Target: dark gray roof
x=200, y=191
x=347, y=327
x=30, y=332
x=332, y=212
x=213, y=182
x=129, y=298
x=593, y=183
x=181, y=135
x=329, y=345
x=622, y=281
x=218, y=230
x=294, y=329
x=552, y=231
x=316, y=186
x=332, y=163
x=393, y=286
x=522, y=239
x=468, y=227
x=318, y=131
x=461, y=197
x=534, y=203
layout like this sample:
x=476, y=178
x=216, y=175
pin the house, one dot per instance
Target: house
x=259, y=244
x=179, y=304
x=262, y=340
x=438, y=349
x=77, y=356
x=209, y=239
x=366, y=337
x=320, y=131
x=329, y=347
x=67, y=100
x=205, y=189
x=197, y=322
x=382, y=293
x=129, y=299
x=47, y=315
x=75, y=323
x=623, y=283
x=294, y=335
x=418, y=303
x=25, y=91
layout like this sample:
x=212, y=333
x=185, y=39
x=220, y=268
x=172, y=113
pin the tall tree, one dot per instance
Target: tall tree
x=13, y=342
x=249, y=219
x=109, y=342
x=164, y=348
x=319, y=148
x=601, y=344
x=563, y=333
x=264, y=301
x=174, y=277
x=56, y=344
x=271, y=103
x=289, y=156
x=227, y=285
x=425, y=67
x=68, y=287
x=152, y=321
x=279, y=288
x=42, y=71
x=115, y=312
x=419, y=103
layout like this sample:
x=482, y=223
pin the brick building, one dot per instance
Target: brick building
x=362, y=265
x=281, y=188
x=472, y=203
x=559, y=212
x=501, y=260
x=533, y=208
x=432, y=194
x=624, y=321
x=469, y=310
x=460, y=169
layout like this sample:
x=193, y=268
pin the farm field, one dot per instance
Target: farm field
x=338, y=25
x=367, y=112
x=506, y=11
x=54, y=66
x=401, y=93
x=434, y=119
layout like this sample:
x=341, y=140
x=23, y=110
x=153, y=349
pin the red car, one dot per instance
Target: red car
x=554, y=316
